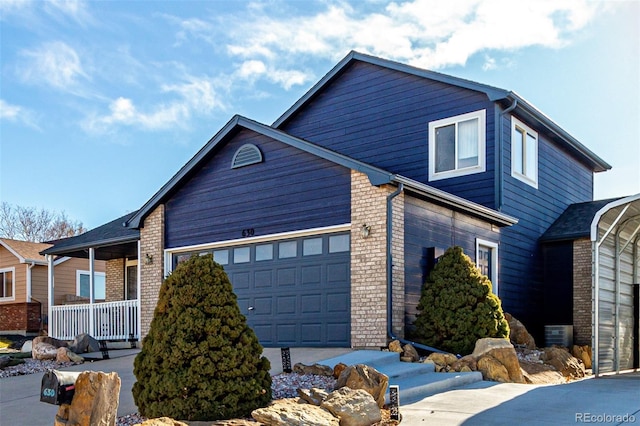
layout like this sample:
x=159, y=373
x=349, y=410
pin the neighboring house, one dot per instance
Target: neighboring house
x=328, y=221
x=23, y=285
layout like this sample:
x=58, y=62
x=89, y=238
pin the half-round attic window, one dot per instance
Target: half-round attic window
x=246, y=155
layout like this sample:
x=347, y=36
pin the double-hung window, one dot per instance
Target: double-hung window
x=7, y=284
x=457, y=145
x=524, y=152
x=83, y=287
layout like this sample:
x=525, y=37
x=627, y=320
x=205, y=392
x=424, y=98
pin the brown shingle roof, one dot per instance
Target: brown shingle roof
x=25, y=250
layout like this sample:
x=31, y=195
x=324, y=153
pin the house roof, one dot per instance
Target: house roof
x=524, y=109
x=575, y=221
x=112, y=237
x=376, y=175
x=26, y=251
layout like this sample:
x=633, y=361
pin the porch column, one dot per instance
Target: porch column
x=138, y=293
x=92, y=298
x=50, y=294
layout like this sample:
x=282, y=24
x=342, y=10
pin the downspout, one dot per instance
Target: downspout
x=390, y=333
x=500, y=159
x=29, y=268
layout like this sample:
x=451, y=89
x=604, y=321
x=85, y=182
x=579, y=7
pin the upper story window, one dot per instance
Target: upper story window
x=7, y=284
x=524, y=152
x=246, y=155
x=457, y=145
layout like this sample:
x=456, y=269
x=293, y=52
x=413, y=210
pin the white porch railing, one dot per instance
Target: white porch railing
x=111, y=320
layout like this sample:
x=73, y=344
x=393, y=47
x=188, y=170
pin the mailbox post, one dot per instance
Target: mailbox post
x=58, y=387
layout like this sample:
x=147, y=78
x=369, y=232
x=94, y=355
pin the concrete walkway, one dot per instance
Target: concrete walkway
x=482, y=403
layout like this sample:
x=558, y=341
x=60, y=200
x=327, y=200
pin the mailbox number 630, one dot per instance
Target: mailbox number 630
x=48, y=392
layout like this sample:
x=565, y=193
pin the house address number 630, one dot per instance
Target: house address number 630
x=249, y=232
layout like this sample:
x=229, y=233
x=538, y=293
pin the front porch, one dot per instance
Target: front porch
x=117, y=316
x=103, y=321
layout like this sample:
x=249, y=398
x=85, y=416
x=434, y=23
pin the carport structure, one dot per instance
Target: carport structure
x=615, y=239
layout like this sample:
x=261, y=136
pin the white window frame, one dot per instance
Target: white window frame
x=97, y=274
x=13, y=284
x=481, y=115
x=529, y=177
x=494, y=261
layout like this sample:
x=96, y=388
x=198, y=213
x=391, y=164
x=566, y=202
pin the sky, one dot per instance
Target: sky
x=102, y=102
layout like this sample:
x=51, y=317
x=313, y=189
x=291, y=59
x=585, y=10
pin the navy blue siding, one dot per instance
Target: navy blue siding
x=381, y=116
x=562, y=181
x=427, y=225
x=290, y=190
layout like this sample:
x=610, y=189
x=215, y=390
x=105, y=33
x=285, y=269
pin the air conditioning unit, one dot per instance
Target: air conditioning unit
x=559, y=335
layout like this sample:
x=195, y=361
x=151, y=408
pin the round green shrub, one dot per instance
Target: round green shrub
x=457, y=306
x=200, y=360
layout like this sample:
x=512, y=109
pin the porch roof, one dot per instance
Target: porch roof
x=112, y=240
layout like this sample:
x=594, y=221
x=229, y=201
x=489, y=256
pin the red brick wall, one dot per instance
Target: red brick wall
x=20, y=317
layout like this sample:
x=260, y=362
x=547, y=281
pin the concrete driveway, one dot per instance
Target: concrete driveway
x=606, y=400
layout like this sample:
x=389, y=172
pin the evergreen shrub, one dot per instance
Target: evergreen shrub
x=457, y=306
x=200, y=360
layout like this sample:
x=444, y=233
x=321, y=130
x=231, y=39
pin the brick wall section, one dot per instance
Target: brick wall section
x=114, y=280
x=582, y=292
x=151, y=274
x=20, y=317
x=369, y=263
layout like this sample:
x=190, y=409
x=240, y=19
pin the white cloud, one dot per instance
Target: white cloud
x=55, y=64
x=425, y=33
x=17, y=114
x=196, y=96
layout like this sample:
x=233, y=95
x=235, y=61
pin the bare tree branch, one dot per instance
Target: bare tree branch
x=36, y=225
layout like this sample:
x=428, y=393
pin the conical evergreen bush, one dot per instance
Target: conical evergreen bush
x=200, y=360
x=457, y=306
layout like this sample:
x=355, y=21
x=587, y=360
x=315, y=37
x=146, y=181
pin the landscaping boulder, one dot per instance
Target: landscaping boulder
x=502, y=351
x=84, y=343
x=66, y=355
x=338, y=369
x=493, y=370
x=162, y=421
x=395, y=346
x=27, y=346
x=4, y=360
x=353, y=407
x=583, y=353
x=316, y=369
x=362, y=376
x=313, y=396
x=44, y=351
x=410, y=353
x=518, y=334
x=285, y=412
x=95, y=401
x=564, y=362
x=442, y=361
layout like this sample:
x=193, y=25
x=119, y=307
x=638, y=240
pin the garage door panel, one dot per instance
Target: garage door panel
x=264, y=333
x=337, y=333
x=337, y=273
x=311, y=334
x=338, y=302
x=311, y=275
x=311, y=304
x=263, y=279
x=240, y=280
x=286, y=305
x=262, y=306
x=286, y=277
x=286, y=334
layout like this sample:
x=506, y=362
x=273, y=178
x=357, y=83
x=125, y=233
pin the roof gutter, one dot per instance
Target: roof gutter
x=390, y=333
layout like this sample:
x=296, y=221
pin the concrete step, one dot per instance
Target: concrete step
x=414, y=380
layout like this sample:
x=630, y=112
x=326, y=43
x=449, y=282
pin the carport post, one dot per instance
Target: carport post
x=595, y=270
